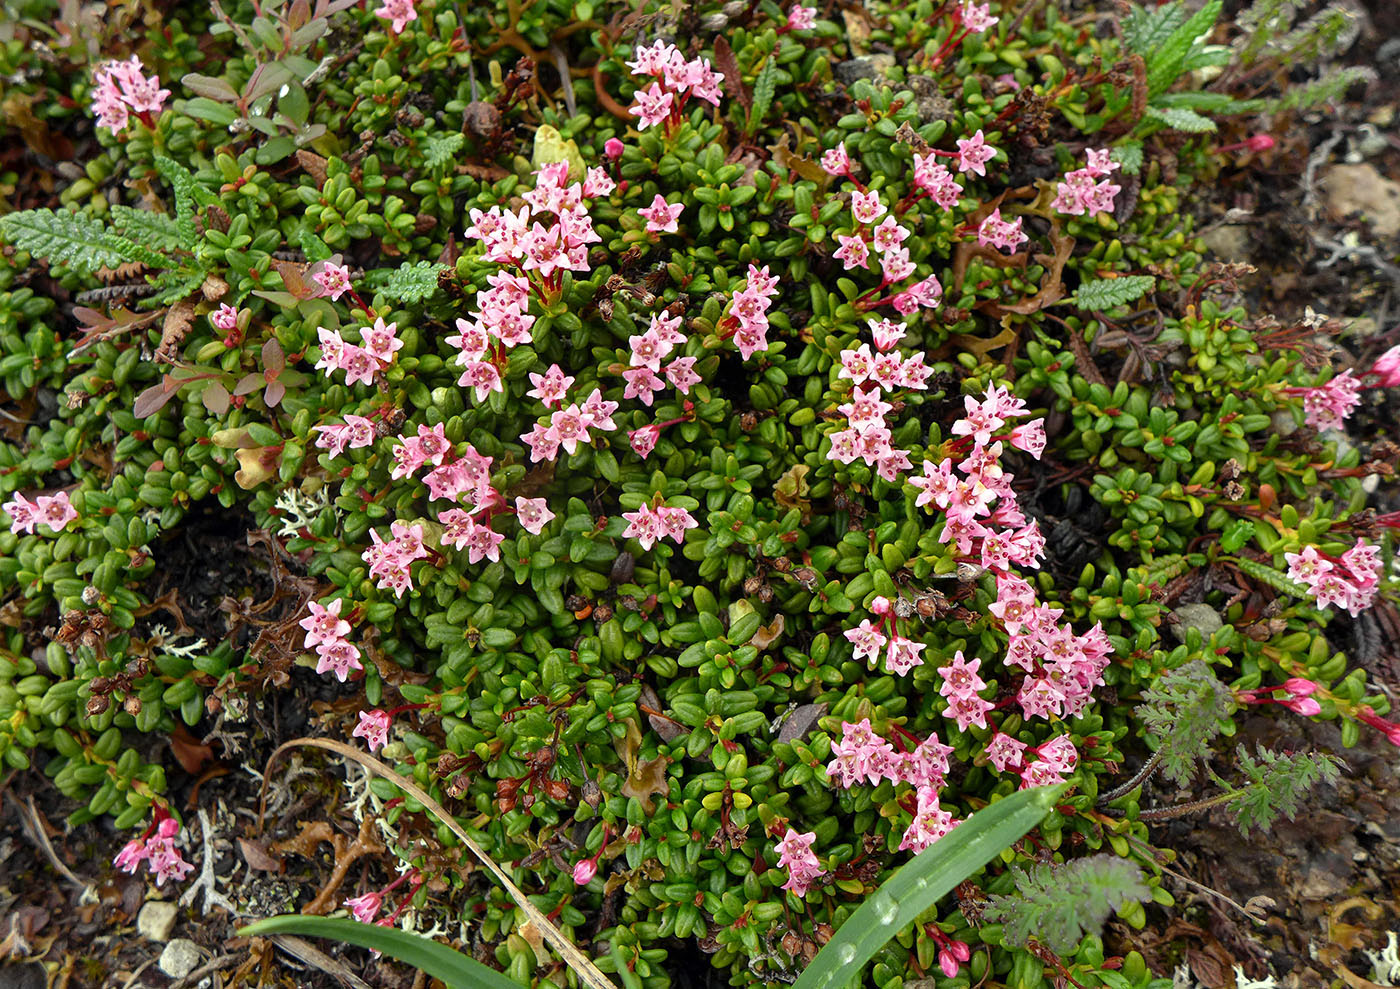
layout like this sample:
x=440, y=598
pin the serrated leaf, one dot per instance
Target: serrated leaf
x=763, y=89
x=154, y=230
x=440, y=148
x=1059, y=904
x=314, y=247
x=188, y=192
x=1145, y=30
x=72, y=239
x=1129, y=156
x=410, y=282
x=1182, y=119
x=1105, y=293
x=1166, y=63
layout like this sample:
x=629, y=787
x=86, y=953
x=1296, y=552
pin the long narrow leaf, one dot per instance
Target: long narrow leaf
x=922, y=882
x=438, y=960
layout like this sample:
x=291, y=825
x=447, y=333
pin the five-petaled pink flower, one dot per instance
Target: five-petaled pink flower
x=398, y=13
x=661, y=217
x=373, y=728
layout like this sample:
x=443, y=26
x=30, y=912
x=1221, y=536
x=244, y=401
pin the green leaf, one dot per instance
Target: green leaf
x=440, y=148
x=188, y=192
x=155, y=230
x=1059, y=904
x=1165, y=63
x=428, y=956
x=1105, y=293
x=763, y=89
x=1145, y=30
x=1129, y=155
x=1182, y=119
x=70, y=238
x=922, y=882
x=409, y=282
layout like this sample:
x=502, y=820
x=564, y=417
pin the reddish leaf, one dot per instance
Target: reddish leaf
x=258, y=857
x=215, y=398
x=153, y=399
x=248, y=384
x=273, y=358
x=190, y=751
x=274, y=394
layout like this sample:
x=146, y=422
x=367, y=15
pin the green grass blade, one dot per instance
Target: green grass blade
x=455, y=969
x=922, y=882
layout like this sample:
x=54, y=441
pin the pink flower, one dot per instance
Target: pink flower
x=122, y=87
x=660, y=216
x=613, y=148
x=642, y=383
x=801, y=18
x=533, y=513
x=373, y=728
x=324, y=624
x=54, y=511
x=866, y=206
x=867, y=639
x=398, y=13
x=23, y=514
x=584, y=872
x=681, y=373
x=1387, y=368
x=131, y=856
x=643, y=440
x=836, y=161
x=977, y=17
x=1005, y=752
x=225, y=317
x=653, y=106
x=381, y=341
x=930, y=823
x=1328, y=406
x=334, y=280
x=1029, y=437
x=974, y=153
x=339, y=656
x=365, y=908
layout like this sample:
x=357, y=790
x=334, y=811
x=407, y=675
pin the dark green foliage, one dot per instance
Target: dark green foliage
x=1058, y=904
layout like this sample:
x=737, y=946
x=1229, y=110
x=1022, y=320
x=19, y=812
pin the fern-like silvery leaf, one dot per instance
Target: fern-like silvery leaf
x=1167, y=62
x=1145, y=30
x=763, y=89
x=1129, y=156
x=1185, y=708
x=72, y=239
x=1182, y=119
x=439, y=149
x=1105, y=293
x=154, y=230
x=1059, y=904
x=1278, y=782
x=410, y=282
x=188, y=194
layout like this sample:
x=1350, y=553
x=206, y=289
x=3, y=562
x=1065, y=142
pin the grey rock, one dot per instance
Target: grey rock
x=1229, y=242
x=156, y=920
x=1201, y=617
x=180, y=958
x=863, y=67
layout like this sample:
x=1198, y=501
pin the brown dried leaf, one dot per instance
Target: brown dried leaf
x=178, y=320
x=648, y=779
x=191, y=753
x=728, y=67
x=768, y=634
x=213, y=288
x=313, y=164
x=257, y=857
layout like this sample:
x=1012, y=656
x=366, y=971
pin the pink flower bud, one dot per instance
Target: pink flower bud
x=585, y=871
x=1259, y=142
x=1299, y=687
x=644, y=440
x=613, y=148
x=1305, y=706
x=880, y=606
x=959, y=950
x=948, y=963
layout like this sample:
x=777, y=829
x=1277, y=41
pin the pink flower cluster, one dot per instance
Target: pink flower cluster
x=355, y=433
x=1297, y=696
x=1327, y=406
x=54, y=511
x=863, y=756
x=650, y=525
x=747, y=318
x=568, y=427
x=799, y=18
x=378, y=345
x=885, y=239
x=646, y=353
x=157, y=849
x=796, y=856
x=1063, y=667
x=1081, y=193
x=677, y=79
x=1053, y=760
x=122, y=88
x=1349, y=580
x=326, y=632
x=389, y=562
x=901, y=654
x=867, y=434
x=1002, y=234
x=547, y=236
